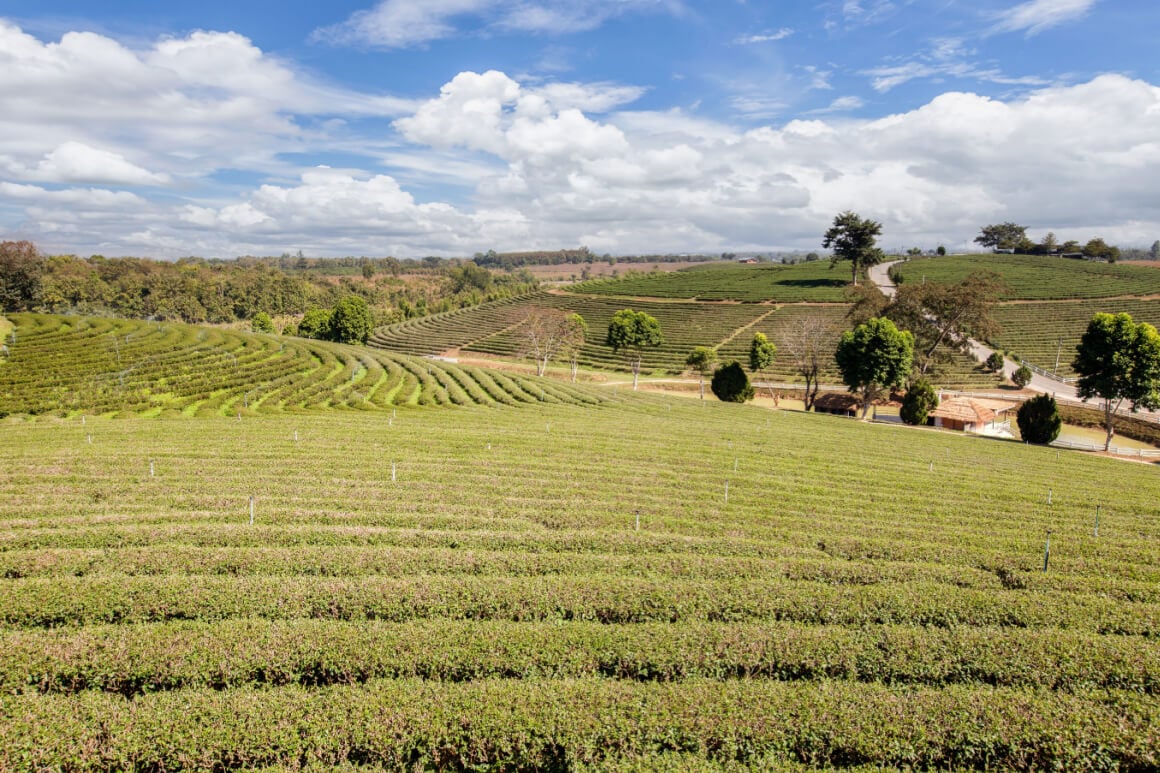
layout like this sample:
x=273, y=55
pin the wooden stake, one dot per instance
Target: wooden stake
x=392, y=472
x=151, y=468
x=295, y=436
x=90, y=439
x=251, y=511
x=726, y=491
x=1049, y=496
x=1097, y=532
x=1047, y=551
x=638, y=520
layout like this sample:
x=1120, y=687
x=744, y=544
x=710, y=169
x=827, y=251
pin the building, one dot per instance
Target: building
x=977, y=415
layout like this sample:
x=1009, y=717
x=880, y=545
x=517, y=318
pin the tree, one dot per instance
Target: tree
x=995, y=362
x=350, y=321
x=854, y=239
x=315, y=323
x=731, y=385
x=946, y=316
x=1022, y=376
x=1004, y=236
x=1118, y=361
x=21, y=276
x=920, y=400
x=1039, y=420
x=547, y=334
x=574, y=341
x=761, y=354
x=810, y=343
x=261, y=323
x=940, y=250
x=1098, y=248
x=1154, y=253
x=874, y=356
x=702, y=359
x=630, y=333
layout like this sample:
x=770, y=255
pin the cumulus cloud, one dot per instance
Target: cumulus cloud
x=405, y=23
x=76, y=162
x=1035, y=16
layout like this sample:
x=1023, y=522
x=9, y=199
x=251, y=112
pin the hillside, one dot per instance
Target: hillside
x=473, y=588
x=69, y=365
x=815, y=281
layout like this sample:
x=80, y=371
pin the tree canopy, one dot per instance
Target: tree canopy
x=1118, y=361
x=702, y=359
x=351, y=321
x=1005, y=236
x=855, y=239
x=630, y=333
x=731, y=385
x=874, y=356
x=920, y=400
x=1039, y=420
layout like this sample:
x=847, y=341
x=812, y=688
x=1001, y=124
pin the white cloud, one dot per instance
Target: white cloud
x=405, y=23
x=841, y=105
x=763, y=37
x=76, y=162
x=1035, y=16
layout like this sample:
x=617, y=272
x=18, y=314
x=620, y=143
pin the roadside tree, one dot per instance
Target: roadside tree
x=630, y=333
x=854, y=239
x=1118, y=361
x=1022, y=376
x=702, y=359
x=873, y=357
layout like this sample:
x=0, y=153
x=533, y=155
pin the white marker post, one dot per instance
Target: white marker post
x=251, y=511
x=1097, y=532
x=1047, y=551
x=392, y=472
x=726, y=491
x=151, y=473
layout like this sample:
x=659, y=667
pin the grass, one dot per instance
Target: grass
x=470, y=588
x=814, y=281
x=1040, y=277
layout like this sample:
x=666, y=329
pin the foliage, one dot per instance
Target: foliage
x=21, y=276
x=941, y=250
x=946, y=316
x=261, y=323
x=1005, y=236
x=702, y=359
x=315, y=323
x=920, y=400
x=631, y=332
x=1038, y=419
x=549, y=333
x=874, y=356
x=731, y=384
x=350, y=321
x=1022, y=376
x=1118, y=360
x=995, y=362
x=1098, y=248
x=854, y=238
x=761, y=353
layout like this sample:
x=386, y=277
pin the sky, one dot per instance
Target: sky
x=450, y=127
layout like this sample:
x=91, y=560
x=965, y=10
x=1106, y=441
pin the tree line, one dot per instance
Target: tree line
x=197, y=290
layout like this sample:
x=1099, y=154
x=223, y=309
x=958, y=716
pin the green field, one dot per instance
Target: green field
x=468, y=588
x=1040, y=277
x=814, y=281
x=1037, y=332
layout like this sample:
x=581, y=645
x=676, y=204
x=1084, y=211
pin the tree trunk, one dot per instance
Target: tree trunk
x=854, y=272
x=1109, y=418
x=867, y=398
x=575, y=367
x=541, y=366
x=702, y=386
x=635, y=373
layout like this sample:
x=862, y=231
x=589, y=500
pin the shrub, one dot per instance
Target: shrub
x=920, y=400
x=1022, y=376
x=995, y=362
x=350, y=322
x=261, y=323
x=731, y=384
x=1038, y=420
x=315, y=324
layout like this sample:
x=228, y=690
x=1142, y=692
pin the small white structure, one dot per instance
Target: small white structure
x=977, y=415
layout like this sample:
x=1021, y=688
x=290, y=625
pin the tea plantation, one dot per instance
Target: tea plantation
x=572, y=582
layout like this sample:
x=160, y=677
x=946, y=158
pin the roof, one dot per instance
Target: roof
x=837, y=401
x=974, y=410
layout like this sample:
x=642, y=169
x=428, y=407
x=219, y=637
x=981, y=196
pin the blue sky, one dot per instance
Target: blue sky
x=414, y=127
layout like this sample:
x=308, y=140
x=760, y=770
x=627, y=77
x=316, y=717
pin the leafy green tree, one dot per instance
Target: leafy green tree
x=854, y=239
x=1118, y=361
x=941, y=250
x=702, y=359
x=874, y=356
x=1005, y=236
x=630, y=333
x=351, y=321
x=261, y=323
x=994, y=363
x=761, y=354
x=1022, y=376
x=920, y=400
x=1098, y=248
x=1154, y=253
x=731, y=385
x=1039, y=420
x=21, y=276
x=315, y=323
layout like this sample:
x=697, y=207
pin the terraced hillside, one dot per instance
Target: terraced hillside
x=813, y=282
x=562, y=587
x=1040, y=277
x=1038, y=332
x=67, y=365
x=493, y=329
